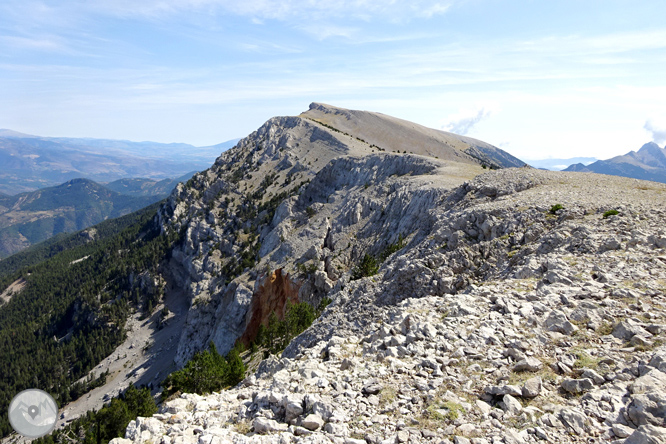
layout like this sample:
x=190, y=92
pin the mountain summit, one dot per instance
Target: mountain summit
x=397, y=135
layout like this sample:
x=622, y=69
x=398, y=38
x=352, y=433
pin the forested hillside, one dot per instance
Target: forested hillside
x=29, y=218
x=64, y=241
x=70, y=313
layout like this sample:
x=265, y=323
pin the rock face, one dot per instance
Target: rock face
x=501, y=319
x=271, y=297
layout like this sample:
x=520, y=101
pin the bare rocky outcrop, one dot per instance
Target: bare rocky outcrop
x=271, y=296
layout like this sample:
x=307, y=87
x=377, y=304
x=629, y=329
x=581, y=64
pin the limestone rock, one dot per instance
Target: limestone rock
x=647, y=434
x=627, y=329
x=313, y=422
x=532, y=387
x=511, y=405
x=528, y=364
x=265, y=425
x=557, y=321
x=577, y=385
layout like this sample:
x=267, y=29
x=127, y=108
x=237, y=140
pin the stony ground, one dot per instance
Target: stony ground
x=501, y=321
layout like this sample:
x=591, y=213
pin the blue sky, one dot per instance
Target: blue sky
x=537, y=78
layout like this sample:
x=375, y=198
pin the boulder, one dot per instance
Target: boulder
x=532, y=387
x=647, y=434
x=574, y=420
x=528, y=364
x=653, y=381
x=511, y=405
x=577, y=386
x=313, y=422
x=265, y=425
x=557, y=321
x=627, y=329
x=648, y=409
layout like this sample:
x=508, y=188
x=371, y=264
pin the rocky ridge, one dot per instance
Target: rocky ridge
x=502, y=319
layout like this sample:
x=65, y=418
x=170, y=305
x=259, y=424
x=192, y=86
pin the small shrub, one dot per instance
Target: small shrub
x=555, y=208
x=389, y=250
x=279, y=333
x=367, y=267
x=610, y=213
x=310, y=211
x=606, y=328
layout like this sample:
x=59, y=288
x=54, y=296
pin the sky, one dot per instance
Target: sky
x=538, y=78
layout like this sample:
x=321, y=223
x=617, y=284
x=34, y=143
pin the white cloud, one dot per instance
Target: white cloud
x=465, y=120
x=324, y=31
x=436, y=9
x=286, y=10
x=658, y=132
x=42, y=43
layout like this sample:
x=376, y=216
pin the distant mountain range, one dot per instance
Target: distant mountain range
x=648, y=163
x=560, y=164
x=32, y=162
x=32, y=217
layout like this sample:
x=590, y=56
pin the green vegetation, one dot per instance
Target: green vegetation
x=206, y=372
x=68, y=317
x=584, y=360
x=278, y=334
x=307, y=269
x=209, y=372
x=555, y=208
x=109, y=422
x=61, y=242
x=610, y=213
x=310, y=211
x=447, y=411
x=392, y=248
x=367, y=267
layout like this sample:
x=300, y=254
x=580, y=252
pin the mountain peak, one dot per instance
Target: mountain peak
x=652, y=147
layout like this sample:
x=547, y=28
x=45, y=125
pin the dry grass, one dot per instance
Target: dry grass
x=243, y=427
x=546, y=374
x=584, y=360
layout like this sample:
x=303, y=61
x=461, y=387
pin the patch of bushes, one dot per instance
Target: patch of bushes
x=367, y=267
x=206, y=372
x=610, y=213
x=278, y=334
x=447, y=411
